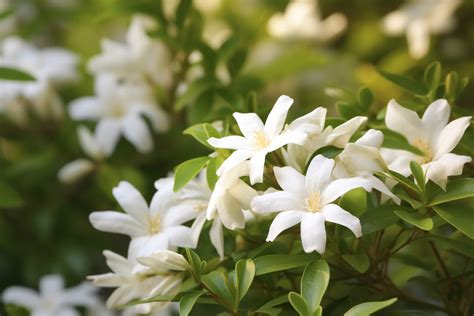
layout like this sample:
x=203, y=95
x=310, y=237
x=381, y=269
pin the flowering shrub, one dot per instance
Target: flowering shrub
x=358, y=207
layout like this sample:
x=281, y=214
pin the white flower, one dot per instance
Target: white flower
x=152, y=228
x=302, y=19
x=75, y=170
x=133, y=283
x=420, y=18
x=164, y=260
x=51, y=68
x=120, y=105
x=53, y=299
x=139, y=56
x=312, y=124
x=259, y=139
x=363, y=159
x=231, y=196
x=432, y=135
x=309, y=200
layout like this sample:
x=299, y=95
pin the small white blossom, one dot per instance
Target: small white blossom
x=53, y=299
x=302, y=19
x=432, y=135
x=119, y=107
x=420, y=18
x=310, y=200
x=258, y=139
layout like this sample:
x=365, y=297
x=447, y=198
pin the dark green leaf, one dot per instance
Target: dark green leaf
x=455, y=190
x=416, y=219
x=218, y=283
x=418, y=173
x=7, y=73
x=432, y=77
x=459, y=215
x=244, y=274
x=405, y=83
x=272, y=263
x=365, y=97
x=360, y=262
x=187, y=170
x=187, y=302
x=9, y=197
x=211, y=171
x=182, y=11
x=195, y=89
x=378, y=218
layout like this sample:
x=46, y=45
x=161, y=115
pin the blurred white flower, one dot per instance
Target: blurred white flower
x=119, y=107
x=7, y=23
x=258, y=139
x=75, y=170
x=53, y=299
x=140, y=55
x=51, y=67
x=133, y=283
x=363, y=159
x=432, y=135
x=312, y=124
x=309, y=200
x=231, y=196
x=151, y=228
x=302, y=20
x=419, y=19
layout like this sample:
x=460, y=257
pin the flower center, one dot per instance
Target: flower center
x=313, y=202
x=115, y=109
x=154, y=225
x=425, y=148
x=200, y=207
x=260, y=140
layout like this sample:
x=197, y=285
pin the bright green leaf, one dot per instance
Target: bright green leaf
x=314, y=283
x=187, y=170
x=368, y=308
x=244, y=274
x=218, y=283
x=299, y=304
x=202, y=132
x=187, y=302
x=211, y=171
x=7, y=73
x=418, y=173
x=355, y=201
x=416, y=219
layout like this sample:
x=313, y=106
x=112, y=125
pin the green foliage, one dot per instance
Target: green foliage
x=187, y=170
x=273, y=263
x=7, y=73
x=369, y=308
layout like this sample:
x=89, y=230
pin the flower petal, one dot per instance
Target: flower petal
x=451, y=135
x=137, y=132
x=335, y=214
x=418, y=38
x=230, y=142
x=340, y=135
x=230, y=212
x=339, y=187
x=132, y=201
x=146, y=245
x=403, y=121
x=85, y=108
x=233, y=160
x=89, y=143
x=277, y=202
x=249, y=123
x=447, y=165
x=117, y=263
x=216, y=234
x=75, y=170
x=435, y=118
x=108, y=134
x=285, y=138
x=318, y=174
x=243, y=193
x=283, y=221
x=21, y=296
x=290, y=180
x=313, y=232
x=277, y=116
x=311, y=123
x=257, y=167
x=371, y=138
x=116, y=222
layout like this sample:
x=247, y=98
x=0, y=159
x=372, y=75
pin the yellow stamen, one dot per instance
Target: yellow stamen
x=425, y=148
x=313, y=202
x=154, y=225
x=260, y=140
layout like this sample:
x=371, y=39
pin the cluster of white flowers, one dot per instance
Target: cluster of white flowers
x=306, y=190
x=51, y=67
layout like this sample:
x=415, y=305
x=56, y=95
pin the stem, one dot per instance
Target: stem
x=440, y=260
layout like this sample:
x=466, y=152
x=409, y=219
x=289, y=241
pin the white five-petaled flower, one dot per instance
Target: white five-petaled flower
x=51, y=67
x=78, y=168
x=119, y=106
x=432, y=135
x=418, y=19
x=151, y=228
x=139, y=56
x=53, y=299
x=258, y=139
x=133, y=283
x=310, y=200
x=302, y=19
x=363, y=159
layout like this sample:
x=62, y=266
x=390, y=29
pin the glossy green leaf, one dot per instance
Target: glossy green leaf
x=459, y=215
x=355, y=201
x=218, y=283
x=7, y=73
x=244, y=274
x=405, y=82
x=195, y=262
x=273, y=263
x=202, y=132
x=187, y=170
x=432, y=77
x=418, y=173
x=299, y=304
x=314, y=283
x=188, y=301
x=416, y=219
x=211, y=171
x=455, y=190
x=369, y=308
x=360, y=262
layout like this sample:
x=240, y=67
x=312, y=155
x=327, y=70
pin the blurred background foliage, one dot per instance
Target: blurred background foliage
x=44, y=225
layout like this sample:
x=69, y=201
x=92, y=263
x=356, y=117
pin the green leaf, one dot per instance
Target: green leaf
x=9, y=197
x=211, y=171
x=404, y=181
x=418, y=173
x=218, y=283
x=273, y=263
x=7, y=73
x=355, y=201
x=378, y=218
x=187, y=302
x=244, y=274
x=182, y=11
x=365, y=97
x=314, y=283
x=459, y=215
x=432, y=77
x=268, y=307
x=202, y=132
x=368, y=308
x=195, y=262
x=416, y=219
x=461, y=246
x=195, y=89
x=299, y=304
x=187, y=170
x=405, y=82
x=360, y=262
x=236, y=62
x=455, y=190
x=326, y=151
x=347, y=110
